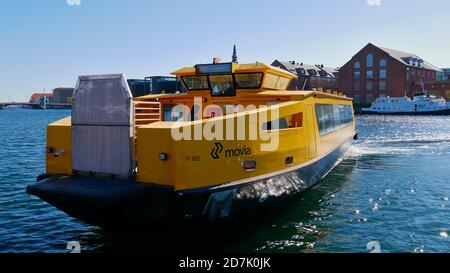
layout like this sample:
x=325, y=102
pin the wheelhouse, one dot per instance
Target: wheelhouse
x=226, y=80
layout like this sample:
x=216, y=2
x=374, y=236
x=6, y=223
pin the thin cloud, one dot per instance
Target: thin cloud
x=73, y=2
x=374, y=3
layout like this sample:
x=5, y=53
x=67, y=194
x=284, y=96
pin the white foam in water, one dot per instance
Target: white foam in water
x=362, y=149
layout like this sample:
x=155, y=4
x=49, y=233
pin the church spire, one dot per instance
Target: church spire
x=235, y=57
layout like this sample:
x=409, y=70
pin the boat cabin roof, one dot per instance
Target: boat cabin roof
x=237, y=80
x=226, y=79
x=226, y=68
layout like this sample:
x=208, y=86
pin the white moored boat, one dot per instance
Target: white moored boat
x=421, y=104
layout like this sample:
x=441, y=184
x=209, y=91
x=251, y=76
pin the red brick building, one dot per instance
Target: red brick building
x=437, y=88
x=37, y=97
x=376, y=71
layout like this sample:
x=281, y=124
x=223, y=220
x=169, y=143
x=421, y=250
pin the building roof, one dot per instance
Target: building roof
x=294, y=67
x=404, y=57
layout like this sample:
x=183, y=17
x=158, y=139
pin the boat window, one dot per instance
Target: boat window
x=270, y=81
x=294, y=121
x=343, y=116
x=279, y=124
x=196, y=82
x=222, y=85
x=251, y=80
x=170, y=113
x=282, y=83
x=333, y=117
x=325, y=119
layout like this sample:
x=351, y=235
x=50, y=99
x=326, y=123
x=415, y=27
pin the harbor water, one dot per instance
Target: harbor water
x=391, y=191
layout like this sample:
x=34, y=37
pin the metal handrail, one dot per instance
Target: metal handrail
x=141, y=119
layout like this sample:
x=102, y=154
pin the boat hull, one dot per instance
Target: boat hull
x=125, y=204
x=445, y=112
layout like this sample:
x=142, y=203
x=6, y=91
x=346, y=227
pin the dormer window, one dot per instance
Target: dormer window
x=312, y=72
x=323, y=73
x=301, y=71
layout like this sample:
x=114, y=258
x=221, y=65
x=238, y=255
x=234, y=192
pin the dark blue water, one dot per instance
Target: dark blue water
x=393, y=188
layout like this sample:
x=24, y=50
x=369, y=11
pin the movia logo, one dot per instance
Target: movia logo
x=217, y=150
x=215, y=153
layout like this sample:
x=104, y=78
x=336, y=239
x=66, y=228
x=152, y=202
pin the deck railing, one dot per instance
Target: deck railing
x=145, y=113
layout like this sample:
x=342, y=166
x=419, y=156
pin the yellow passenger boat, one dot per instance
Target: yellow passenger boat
x=236, y=141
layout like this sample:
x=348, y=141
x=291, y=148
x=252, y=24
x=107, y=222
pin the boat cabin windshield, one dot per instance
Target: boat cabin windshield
x=224, y=84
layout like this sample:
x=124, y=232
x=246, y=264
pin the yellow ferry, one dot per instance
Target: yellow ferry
x=236, y=141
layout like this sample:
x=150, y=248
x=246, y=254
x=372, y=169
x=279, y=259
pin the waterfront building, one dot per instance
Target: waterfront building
x=62, y=95
x=436, y=88
x=446, y=73
x=310, y=77
x=39, y=98
x=378, y=71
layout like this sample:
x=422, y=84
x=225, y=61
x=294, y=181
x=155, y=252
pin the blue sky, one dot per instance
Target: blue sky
x=48, y=43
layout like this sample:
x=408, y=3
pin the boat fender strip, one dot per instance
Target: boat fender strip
x=41, y=177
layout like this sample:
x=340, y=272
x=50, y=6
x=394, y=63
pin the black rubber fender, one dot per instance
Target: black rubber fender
x=41, y=177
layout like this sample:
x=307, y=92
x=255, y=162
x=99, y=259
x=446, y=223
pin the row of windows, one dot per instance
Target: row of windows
x=369, y=86
x=331, y=117
x=226, y=85
x=369, y=62
x=369, y=98
x=369, y=74
x=421, y=73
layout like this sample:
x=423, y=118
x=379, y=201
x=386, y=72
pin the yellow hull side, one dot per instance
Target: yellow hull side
x=191, y=166
x=59, y=137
